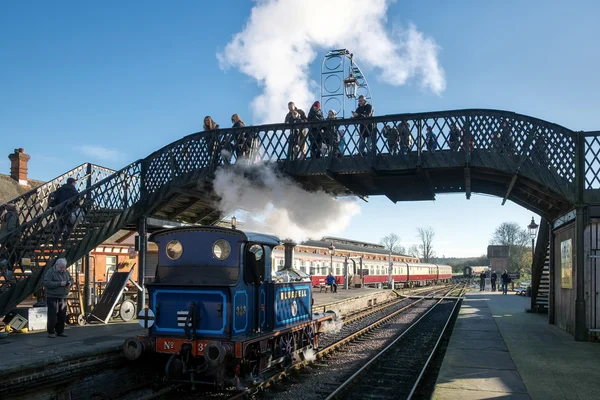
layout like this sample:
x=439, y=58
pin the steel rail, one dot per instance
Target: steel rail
x=358, y=373
x=435, y=347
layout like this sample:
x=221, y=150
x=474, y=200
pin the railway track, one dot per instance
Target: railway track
x=396, y=371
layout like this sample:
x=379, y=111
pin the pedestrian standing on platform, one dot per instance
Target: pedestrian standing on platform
x=68, y=217
x=505, y=280
x=57, y=281
x=330, y=280
x=494, y=279
x=482, y=281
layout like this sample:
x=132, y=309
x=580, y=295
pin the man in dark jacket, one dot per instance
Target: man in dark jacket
x=8, y=223
x=482, y=281
x=57, y=281
x=364, y=110
x=66, y=220
x=292, y=108
x=316, y=134
x=494, y=279
x=505, y=280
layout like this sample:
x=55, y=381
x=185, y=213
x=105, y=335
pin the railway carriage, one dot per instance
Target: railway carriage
x=373, y=272
x=217, y=314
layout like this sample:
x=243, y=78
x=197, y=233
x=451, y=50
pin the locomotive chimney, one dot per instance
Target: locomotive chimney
x=288, y=255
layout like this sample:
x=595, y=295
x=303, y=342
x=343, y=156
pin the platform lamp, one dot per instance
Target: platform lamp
x=331, y=251
x=532, y=234
x=233, y=222
x=350, y=83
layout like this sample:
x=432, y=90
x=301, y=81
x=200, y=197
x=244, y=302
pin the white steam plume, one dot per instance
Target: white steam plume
x=277, y=205
x=282, y=37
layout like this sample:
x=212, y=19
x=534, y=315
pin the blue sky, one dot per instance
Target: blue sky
x=109, y=83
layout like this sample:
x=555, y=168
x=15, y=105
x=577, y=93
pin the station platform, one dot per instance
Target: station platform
x=35, y=349
x=498, y=350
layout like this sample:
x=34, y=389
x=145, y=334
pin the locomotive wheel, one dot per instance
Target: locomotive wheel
x=287, y=344
x=127, y=310
x=253, y=360
x=308, y=334
x=81, y=320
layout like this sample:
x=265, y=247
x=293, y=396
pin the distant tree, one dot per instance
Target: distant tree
x=392, y=242
x=426, y=246
x=413, y=251
x=516, y=238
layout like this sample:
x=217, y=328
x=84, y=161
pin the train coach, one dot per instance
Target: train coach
x=408, y=274
x=217, y=315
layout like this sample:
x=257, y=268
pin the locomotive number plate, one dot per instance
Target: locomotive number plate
x=171, y=345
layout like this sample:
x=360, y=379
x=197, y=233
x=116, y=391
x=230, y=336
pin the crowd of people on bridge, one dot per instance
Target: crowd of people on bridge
x=335, y=140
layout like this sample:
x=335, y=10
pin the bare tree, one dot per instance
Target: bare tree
x=426, y=246
x=413, y=251
x=392, y=243
x=516, y=238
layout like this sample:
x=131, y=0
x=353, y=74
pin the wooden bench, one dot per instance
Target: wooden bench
x=323, y=285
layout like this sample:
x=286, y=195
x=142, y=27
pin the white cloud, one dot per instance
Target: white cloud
x=283, y=37
x=99, y=152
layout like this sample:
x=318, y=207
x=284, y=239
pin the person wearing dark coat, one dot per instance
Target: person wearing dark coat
x=8, y=223
x=482, y=281
x=505, y=280
x=364, y=110
x=241, y=144
x=316, y=134
x=66, y=220
x=494, y=278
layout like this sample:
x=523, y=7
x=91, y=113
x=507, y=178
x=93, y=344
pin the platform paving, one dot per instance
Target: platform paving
x=36, y=349
x=497, y=350
x=342, y=294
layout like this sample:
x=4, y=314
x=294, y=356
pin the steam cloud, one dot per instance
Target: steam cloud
x=275, y=204
x=282, y=37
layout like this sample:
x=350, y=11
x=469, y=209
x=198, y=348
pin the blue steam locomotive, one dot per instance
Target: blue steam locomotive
x=216, y=316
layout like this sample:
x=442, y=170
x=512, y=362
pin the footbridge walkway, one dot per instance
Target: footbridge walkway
x=542, y=166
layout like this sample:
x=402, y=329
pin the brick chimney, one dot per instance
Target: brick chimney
x=18, y=166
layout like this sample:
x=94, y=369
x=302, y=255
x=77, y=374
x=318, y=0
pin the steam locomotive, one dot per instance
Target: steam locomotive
x=217, y=314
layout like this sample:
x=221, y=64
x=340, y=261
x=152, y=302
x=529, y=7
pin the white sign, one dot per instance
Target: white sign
x=146, y=318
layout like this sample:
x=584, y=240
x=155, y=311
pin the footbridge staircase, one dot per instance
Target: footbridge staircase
x=405, y=157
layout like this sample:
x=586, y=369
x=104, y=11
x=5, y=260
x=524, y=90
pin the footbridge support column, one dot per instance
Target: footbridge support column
x=142, y=247
x=580, y=323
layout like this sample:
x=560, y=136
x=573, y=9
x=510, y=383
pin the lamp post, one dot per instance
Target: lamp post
x=532, y=234
x=390, y=271
x=331, y=251
x=341, y=85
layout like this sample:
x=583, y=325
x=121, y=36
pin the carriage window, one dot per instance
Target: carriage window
x=174, y=249
x=221, y=249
